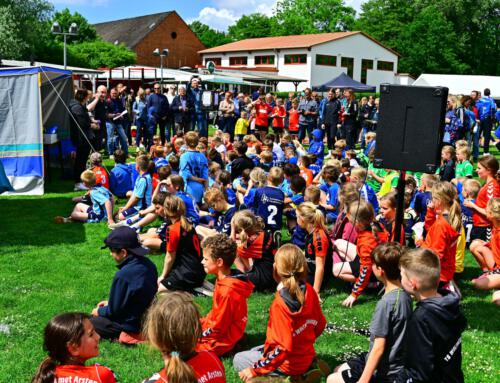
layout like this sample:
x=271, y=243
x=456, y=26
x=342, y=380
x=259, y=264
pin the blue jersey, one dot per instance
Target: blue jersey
x=120, y=180
x=466, y=218
x=160, y=162
x=422, y=199
x=98, y=195
x=268, y=203
x=369, y=195
x=231, y=196
x=223, y=221
x=192, y=213
x=297, y=199
x=286, y=189
x=194, y=164
x=143, y=190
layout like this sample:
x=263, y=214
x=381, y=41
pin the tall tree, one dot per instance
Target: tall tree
x=12, y=45
x=98, y=54
x=296, y=17
x=251, y=26
x=208, y=36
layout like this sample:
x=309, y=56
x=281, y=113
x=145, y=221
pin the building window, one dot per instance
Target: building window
x=348, y=62
x=326, y=60
x=385, y=65
x=217, y=60
x=238, y=60
x=264, y=60
x=365, y=65
x=295, y=59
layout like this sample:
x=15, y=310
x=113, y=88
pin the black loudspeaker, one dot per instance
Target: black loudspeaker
x=410, y=128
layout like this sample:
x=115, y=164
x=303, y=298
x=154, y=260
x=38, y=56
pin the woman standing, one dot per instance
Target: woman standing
x=350, y=116
x=141, y=115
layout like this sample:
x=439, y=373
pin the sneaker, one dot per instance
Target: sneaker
x=60, y=220
x=80, y=186
x=116, y=225
x=206, y=289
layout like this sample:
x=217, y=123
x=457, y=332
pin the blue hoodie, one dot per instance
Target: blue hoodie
x=120, y=180
x=317, y=146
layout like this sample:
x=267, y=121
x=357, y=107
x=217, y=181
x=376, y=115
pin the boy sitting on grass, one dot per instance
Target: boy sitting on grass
x=101, y=203
x=385, y=357
x=225, y=324
x=434, y=344
x=120, y=178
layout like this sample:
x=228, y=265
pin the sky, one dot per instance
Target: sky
x=218, y=14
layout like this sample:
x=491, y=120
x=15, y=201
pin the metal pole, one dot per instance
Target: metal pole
x=64, y=34
x=161, y=75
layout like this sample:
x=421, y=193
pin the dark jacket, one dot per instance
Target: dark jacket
x=181, y=116
x=115, y=106
x=82, y=130
x=133, y=289
x=240, y=164
x=160, y=103
x=434, y=351
x=331, y=112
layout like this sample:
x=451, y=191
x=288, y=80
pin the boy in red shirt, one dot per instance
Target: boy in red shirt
x=262, y=111
x=293, y=120
x=225, y=324
x=278, y=114
x=101, y=175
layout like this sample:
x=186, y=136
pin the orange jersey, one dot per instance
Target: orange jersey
x=494, y=245
x=319, y=244
x=225, y=324
x=260, y=247
x=488, y=191
x=88, y=374
x=206, y=365
x=263, y=109
x=101, y=176
x=293, y=120
x=307, y=174
x=155, y=180
x=290, y=335
x=279, y=120
x=442, y=239
x=364, y=247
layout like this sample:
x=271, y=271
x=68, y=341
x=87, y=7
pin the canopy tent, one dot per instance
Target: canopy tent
x=461, y=84
x=344, y=81
x=29, y=102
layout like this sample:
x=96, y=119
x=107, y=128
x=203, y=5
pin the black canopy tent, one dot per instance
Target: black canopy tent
x=344, y=81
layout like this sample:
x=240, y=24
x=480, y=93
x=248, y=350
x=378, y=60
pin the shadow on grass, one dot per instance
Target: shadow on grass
x=29, y=222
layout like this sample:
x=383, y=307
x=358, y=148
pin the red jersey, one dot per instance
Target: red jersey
x=293, y=120
x=307, y=174
x=101, y=176
x=262, y=113
x=155, y=180
x=319, y=244
x=206, y=365
x=364, y=247
x=279, y=120
x=442, y=239
x=488, y=191
x=225, y=324
x=88, y=374
x=494, y=245
x=291, y=334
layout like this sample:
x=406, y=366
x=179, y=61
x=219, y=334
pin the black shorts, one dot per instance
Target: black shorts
x=163, y=246
x=261, y=128
x=481, y=233
x=278, y=130
x=262, y=277
x=356, y=367
x=179, y=281
x=354, y=265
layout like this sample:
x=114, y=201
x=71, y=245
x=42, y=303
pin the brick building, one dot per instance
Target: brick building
x=144, y=34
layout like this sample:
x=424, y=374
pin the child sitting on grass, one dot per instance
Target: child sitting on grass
x=101, y=175
x=222, y=214
x=70, y=340
x=101, y=200
x=225, y=324
x=433, y=333
x=295, y=321
x=173, y=327
x=385, y=357
x=120, y=178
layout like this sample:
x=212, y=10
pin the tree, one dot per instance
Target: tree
x=251, y=26
x=98, y=54
x=297, y=17
x=208, y=36
x=86, y=31
x=11, y=45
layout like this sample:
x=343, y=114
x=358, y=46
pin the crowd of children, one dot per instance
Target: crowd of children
x=228, y=208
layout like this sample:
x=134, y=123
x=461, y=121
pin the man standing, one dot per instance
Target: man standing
x=159, y=102
x=114, y=123
x=330, y=119
x=308, y=109
x=198, y=115
x=181, y=107
x=99, y=107
x=486, y=108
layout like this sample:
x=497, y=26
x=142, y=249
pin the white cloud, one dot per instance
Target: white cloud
x=218, y=19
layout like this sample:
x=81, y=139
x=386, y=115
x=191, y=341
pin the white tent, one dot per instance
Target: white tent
x=461, y=84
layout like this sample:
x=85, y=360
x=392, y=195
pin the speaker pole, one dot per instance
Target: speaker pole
x=400, y=208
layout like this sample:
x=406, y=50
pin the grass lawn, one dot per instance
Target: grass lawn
x=48, y=269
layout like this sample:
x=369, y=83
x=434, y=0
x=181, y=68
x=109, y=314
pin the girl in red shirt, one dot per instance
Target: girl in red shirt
x=487, y=168
x=295, y=321
x=387, y=216
x=70, y=340
x=359, y=271
x=278, y=114
x=173, y=327
x=293, y=119
x=443, y=223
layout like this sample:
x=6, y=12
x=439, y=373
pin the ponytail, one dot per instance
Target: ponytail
x=311, y=215
x=455, y=216
x=292, y=284
x=178, y=371
x=46, y=372
x=246, y=224
x=291, y=268
x=447, y=194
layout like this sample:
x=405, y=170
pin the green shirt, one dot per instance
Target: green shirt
x=464, y=169
x=372, y=182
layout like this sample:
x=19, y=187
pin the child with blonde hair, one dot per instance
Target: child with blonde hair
x=221, y=212
x=295, y=321
x=173, y=327
x=447, y=169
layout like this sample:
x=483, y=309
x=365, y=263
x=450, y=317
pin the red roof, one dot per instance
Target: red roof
x=285, y=42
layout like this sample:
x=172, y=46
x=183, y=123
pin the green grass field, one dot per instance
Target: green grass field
x=48, y=269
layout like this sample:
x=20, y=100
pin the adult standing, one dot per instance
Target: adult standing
x=141, y=115
x=330, y=119
x=170, y=124
x=114, y=123
x=99, y=107
x=308, y=109
x=181, y=107
x=486, y=108
x=159, y=102
x=226, y=108
x=81, y=133
x=198, y=115
x=350, y=114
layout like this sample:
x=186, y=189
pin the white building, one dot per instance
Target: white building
x=316, y=58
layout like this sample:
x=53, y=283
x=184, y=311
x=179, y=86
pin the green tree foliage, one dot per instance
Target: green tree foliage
x=208, y=36
x=98, y=54
x=86, y=31
x=296, y=17
x=252, y=26
x=11, y=44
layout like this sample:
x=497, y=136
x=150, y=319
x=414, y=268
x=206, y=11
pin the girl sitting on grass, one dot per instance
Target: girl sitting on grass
x=70, y=340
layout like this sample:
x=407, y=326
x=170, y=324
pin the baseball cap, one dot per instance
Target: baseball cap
x=125, y=238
